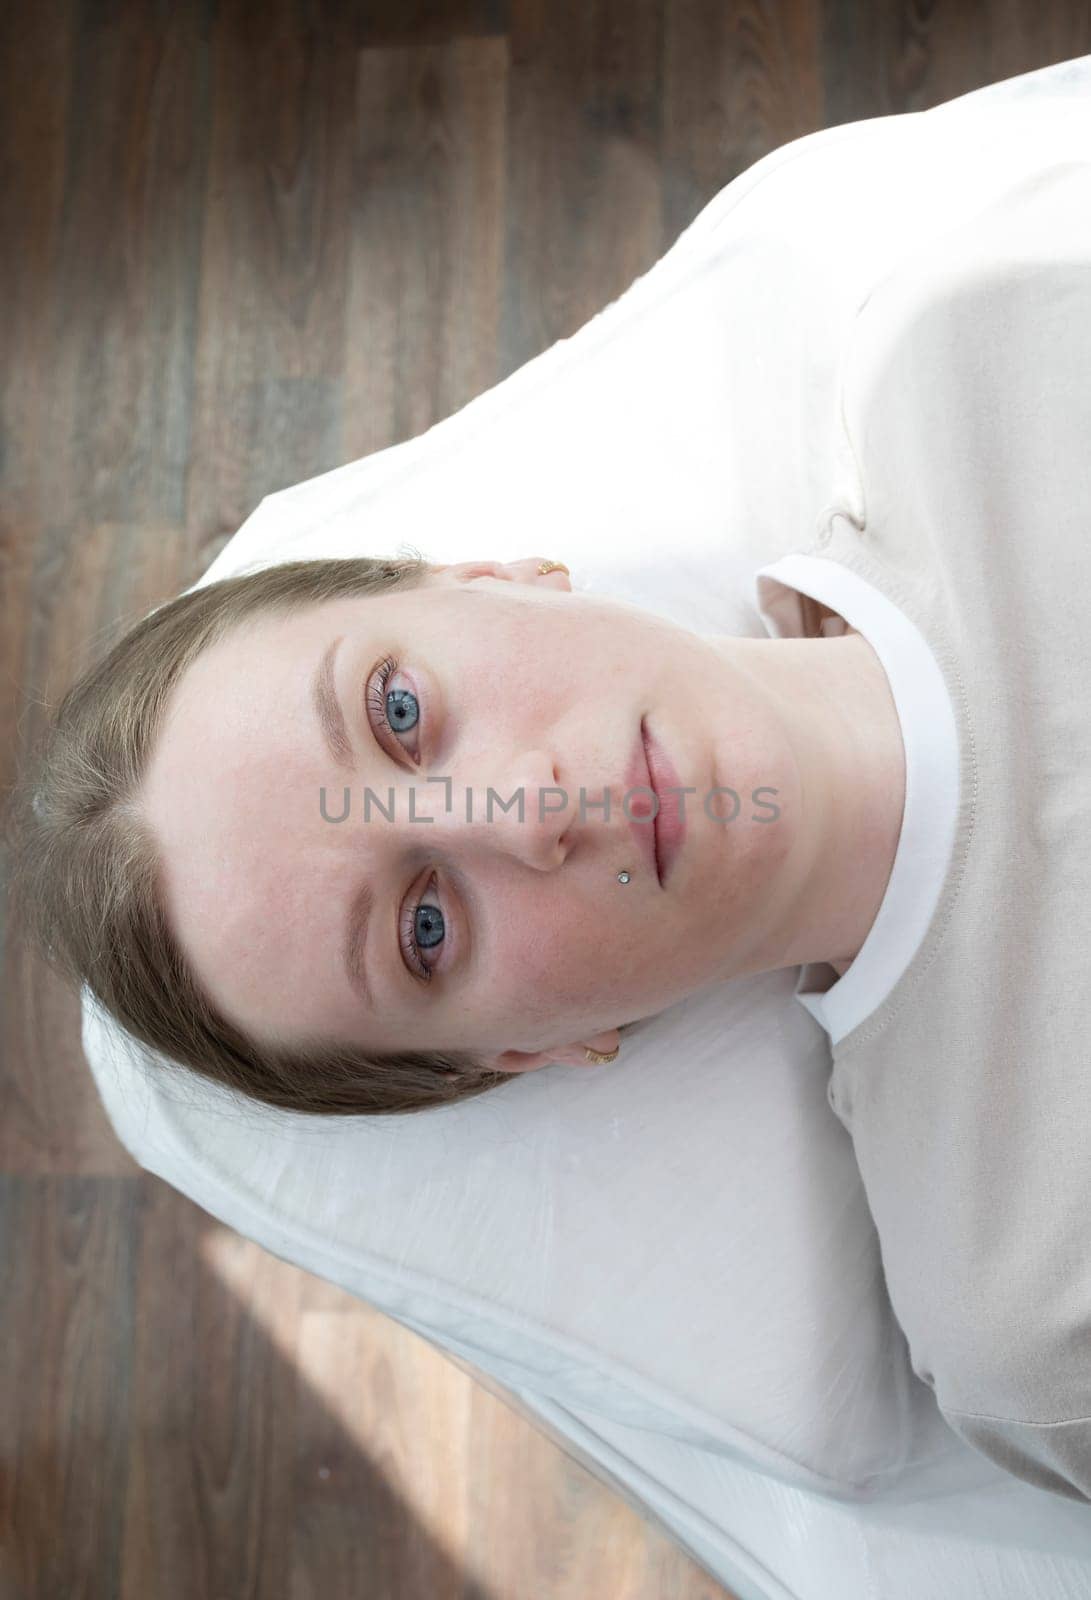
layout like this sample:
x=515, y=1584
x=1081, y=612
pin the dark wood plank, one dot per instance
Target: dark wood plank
x=425, y=224
x=423, y=22
x=209, y=1505
x=738, y=82
x=35, y=64
x=584, y=210
x=124, y=276
x=270, y=331
x=68, y=1263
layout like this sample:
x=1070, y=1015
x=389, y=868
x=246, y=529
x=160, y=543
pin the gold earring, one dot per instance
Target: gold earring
x=599, y=1056
x=551, y=566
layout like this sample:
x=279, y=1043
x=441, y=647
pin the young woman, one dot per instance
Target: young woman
x=365, y=837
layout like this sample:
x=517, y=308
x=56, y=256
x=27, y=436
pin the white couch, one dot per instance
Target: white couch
x=684, y=1279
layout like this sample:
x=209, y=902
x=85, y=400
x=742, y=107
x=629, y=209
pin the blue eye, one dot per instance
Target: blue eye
x=423, y=928
x=402, y=710
x=396, y=710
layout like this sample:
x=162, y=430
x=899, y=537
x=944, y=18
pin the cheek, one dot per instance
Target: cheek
x=527, y=671
x=534, y=945
x=558, y=949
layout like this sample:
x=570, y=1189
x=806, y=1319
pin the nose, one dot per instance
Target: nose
x=518, y=808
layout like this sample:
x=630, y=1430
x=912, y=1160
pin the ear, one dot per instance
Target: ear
x=522, y=571
x=571, y=1055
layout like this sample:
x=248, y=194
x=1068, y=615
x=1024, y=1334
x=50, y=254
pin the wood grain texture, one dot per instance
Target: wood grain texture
x=246, y=241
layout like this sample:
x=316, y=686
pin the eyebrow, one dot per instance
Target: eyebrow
x=331, y=720
x=356, y=926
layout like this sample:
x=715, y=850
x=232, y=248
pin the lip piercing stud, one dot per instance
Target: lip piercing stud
x=623, y=877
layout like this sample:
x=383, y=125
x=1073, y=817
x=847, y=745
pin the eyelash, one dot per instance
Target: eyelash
x=409, y=943
x=376, y=691
x=376, y=699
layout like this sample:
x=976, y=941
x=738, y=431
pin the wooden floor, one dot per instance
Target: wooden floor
x=244, y=243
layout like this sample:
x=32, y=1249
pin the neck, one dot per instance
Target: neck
x=833, y=700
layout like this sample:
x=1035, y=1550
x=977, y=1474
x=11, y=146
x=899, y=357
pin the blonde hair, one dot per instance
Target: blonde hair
x=86, y=871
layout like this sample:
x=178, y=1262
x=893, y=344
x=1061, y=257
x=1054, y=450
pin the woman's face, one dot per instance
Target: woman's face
x=502, y=679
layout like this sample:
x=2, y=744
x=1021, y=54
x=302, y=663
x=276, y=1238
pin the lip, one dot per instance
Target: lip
x=670, y=821
x=639, y=808
x=653, y=769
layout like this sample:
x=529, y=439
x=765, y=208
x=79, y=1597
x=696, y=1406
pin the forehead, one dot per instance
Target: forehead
x=271, y=656
x=235, y=744
x=232, y=793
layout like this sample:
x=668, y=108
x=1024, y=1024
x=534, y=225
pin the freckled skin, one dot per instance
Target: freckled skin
x=519, y=681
